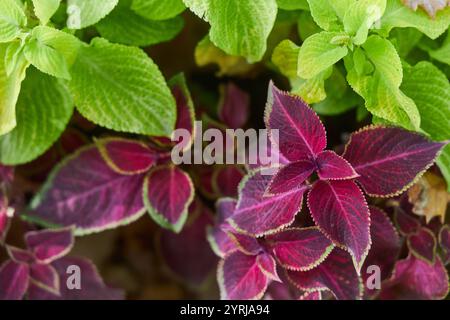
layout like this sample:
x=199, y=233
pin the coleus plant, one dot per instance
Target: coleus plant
x=40, y=272
x=251, y=234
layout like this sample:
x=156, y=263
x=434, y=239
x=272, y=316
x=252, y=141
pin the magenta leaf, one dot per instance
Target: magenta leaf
x=415, y=279
x=301, y=134
x=185, y=112
x=390, y=159
x=19, y=255
x=268, y=155
x=341, y=212
x=51, y=244
x=331, y=166
x=14, y=280
x=423, y=245
x=188, y=254
x=300, y=249
x=291, y=177
x=313, y=295
x=241, y=278
x=92, y=286
x=444, y=242
x=218, y=238
x=234, y=106
x=268, y=266
x=405, y=222
x=45, y=277
x=385, y=247
x=126, y=156
x=336, y=274
x=257, y=214
x=225, y=180
x=245, y=243
x=168, y=192
x=83, y=191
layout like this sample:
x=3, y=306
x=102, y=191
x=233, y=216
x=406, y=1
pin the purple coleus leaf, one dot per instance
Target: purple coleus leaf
x=45, y=277
x=405, y=222
x=291, y=177
x=415, y=279
x=126, y=156
x=258, y=214
x=85, y=192
x=240, y=277
x=302, y=134
x=268, y=266
x=444, y=242
x=234, y=106
x=245, y=243
x=385, y=247
x=185, y=112
x=336, y=274
x=300, y=249
x=91, y=284
x=389, y=159
x=331, y=166
x=218, y=238
x=49, y=245
x=14, y=280
x=168, y=192
x=423, y=245
x=341, y=212
x=226, y=179
x=313, y=295
x=188, y=254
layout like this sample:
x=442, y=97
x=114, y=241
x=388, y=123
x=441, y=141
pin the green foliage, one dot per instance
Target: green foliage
x=45, y=9
x=157, y=9
x=84, y=13
x=43, y=111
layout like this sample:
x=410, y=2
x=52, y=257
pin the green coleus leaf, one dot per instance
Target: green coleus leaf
x=405, y=39
x=380, y=88
x=157, y=9
x=319, y=52
x=45, y=9
x=52, y=51
x=328, y=14
x=199, y=7
x=361, y=17
x=43, y=110
x=430, y=90
x=293, y=4
x=442, y=54
x=312, y=90
x=12, y=19
x=252, y=21
x=9, y=90
x=398, y=15
x=285, y=57
x=306, y=26
x=84, y=13
x=120, y=88
x=123, y=25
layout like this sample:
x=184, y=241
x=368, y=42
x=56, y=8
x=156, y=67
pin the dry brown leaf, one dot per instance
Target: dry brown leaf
x=430, y=6
x=429, y=197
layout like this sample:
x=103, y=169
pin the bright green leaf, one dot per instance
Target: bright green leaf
x=398, y=15
x=84, y=13
x=318, y=53
x=430, y=90
x=9, y=91
x=311, y=90
x=120, y=88
x=293, y=4
x=157, y=9
x=241, y=27
x=328, y=14
x=405, y=39
x=12, y=19
x=199, y=7
x=285, y=57
x=124, y=26
x=43, y=111
x=361, y=17
x=52, y=51
x=442, y=54
x=45, y=9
